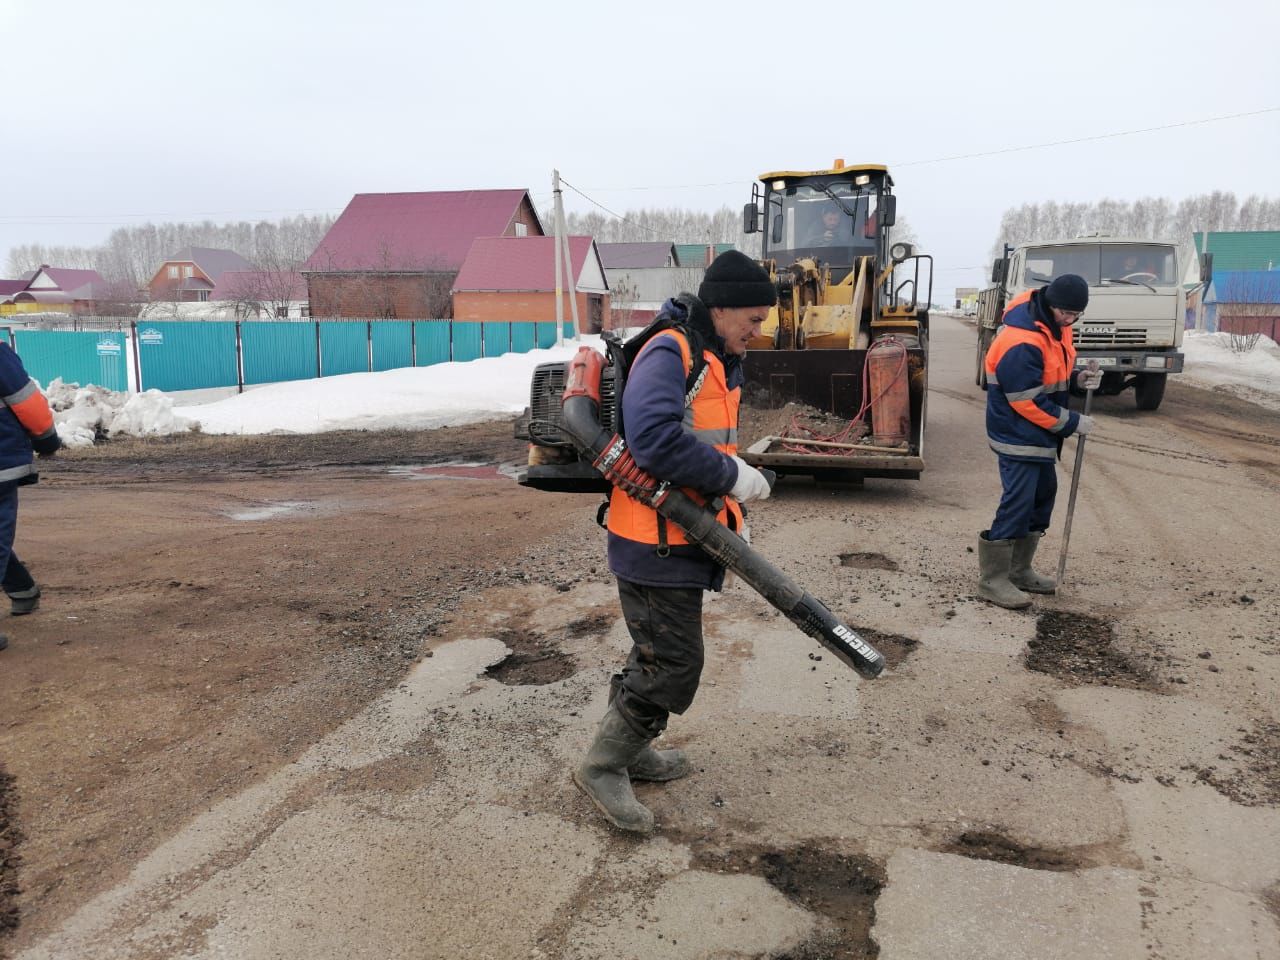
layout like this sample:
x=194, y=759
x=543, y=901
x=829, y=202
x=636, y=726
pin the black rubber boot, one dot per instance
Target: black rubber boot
x=1020, y=573
x=24, y=601
x=4, y=641
x=602, y=775
x=653, y=765
x=994, y=559
x=660, y=765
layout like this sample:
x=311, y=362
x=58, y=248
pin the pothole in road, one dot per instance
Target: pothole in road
x=895, y=647
x=1255, y=779
x=840, y=887
x=593, y=625
x=532, y=661
x=990, y=845
x=1080, y=649
x=868, y=561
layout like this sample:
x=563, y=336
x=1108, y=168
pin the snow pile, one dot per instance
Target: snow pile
x=82, y=414
x=1253, y=375
x=420, y=398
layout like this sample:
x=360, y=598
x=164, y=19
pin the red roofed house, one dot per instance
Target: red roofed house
x=514, y=279
x=56, y=290
x=192, y=275
x=397, y=254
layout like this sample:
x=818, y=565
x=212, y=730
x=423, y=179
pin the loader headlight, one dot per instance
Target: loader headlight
x=900, y=251
x=1155, y=363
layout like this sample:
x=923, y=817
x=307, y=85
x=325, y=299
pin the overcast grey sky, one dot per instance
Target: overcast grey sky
x=120, y=113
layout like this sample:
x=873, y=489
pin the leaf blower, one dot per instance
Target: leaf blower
x=607, y=452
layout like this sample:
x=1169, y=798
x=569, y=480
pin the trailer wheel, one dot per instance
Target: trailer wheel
x=1149, y=390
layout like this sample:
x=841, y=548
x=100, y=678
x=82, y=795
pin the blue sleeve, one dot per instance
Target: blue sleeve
x=653, y=422
x=13, y=375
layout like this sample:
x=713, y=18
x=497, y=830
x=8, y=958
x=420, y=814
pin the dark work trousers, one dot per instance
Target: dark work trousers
x=1030, y=487
x=661, y=674
x=16, y=577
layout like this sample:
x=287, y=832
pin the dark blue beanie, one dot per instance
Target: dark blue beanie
x=735, y=280
x=1068, y=292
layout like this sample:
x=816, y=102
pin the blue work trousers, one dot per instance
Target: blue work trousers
x=1030, y=487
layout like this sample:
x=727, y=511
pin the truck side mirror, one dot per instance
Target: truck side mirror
x=1206, y=267
x=998, y=268
x=888, y=210
x=776, y=237
x=750, y=218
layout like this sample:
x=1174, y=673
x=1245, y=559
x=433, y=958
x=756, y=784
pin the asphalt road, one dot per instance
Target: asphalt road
x=1096, y=777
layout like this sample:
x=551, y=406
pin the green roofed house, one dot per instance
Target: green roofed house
x=1244, y=294
x=699, y=254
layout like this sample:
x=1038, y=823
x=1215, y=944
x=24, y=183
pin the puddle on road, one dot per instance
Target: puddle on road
x=447, y=471
x=840, y=887
x=269, y=511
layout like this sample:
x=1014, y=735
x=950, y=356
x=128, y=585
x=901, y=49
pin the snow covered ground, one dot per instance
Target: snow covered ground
x=454, y=393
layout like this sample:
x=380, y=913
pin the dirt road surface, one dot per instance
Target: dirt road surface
x=311, y=697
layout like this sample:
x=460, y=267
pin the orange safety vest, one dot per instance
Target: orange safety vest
x=1059, y=359
x=712, y=417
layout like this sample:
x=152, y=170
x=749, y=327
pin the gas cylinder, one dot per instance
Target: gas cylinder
x=888, y=385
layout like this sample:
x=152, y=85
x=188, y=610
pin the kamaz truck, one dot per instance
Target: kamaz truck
x=1137, y=306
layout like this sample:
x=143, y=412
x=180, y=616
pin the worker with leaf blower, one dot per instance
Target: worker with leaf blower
x=1030, y=369
x=679, y=418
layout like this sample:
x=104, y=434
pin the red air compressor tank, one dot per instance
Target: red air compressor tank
x=888, y=385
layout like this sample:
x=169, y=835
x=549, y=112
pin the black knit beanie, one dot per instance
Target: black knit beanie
x=1068, y=292
x=735, y=280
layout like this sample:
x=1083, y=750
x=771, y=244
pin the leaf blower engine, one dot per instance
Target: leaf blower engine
x=573, y=426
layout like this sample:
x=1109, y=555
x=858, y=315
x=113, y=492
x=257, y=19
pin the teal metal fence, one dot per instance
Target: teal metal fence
x=193, y=355
x=392, y=342
x=173, y=355
x=276, y=352
x=76, y=357
x=344, y=347
x=434, y=340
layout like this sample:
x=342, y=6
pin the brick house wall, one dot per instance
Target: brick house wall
x=412, y=296
x=532, y=305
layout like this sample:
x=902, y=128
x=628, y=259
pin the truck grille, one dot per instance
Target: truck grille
x=545, y=418
x=1096, y=335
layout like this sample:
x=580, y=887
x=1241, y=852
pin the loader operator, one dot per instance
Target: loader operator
x=1030, y=366
x=686, y=435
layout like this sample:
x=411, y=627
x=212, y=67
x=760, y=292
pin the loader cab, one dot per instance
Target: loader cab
x=833, y=216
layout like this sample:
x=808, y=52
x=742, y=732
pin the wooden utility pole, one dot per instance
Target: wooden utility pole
x=555, y=192
x=563, y=259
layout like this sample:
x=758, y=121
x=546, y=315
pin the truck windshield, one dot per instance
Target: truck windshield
x=833, y=222
x=1140, y=264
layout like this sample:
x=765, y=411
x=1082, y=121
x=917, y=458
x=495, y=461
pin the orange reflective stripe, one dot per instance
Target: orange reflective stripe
x=34, y=414
x=1017, y=301
x=1028, y=409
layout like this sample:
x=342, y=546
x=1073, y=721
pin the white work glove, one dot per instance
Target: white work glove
x=1090, y=379
x=750, y=485
x=1086, y=425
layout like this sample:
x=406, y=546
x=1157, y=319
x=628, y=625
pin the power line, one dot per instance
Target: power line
x=619, y=216
x=1100, y=136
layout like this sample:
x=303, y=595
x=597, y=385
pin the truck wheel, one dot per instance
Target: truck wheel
x=1149, y=390
x=984, y=344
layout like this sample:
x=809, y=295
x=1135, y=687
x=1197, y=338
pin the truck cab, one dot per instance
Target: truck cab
x=1137, y=304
